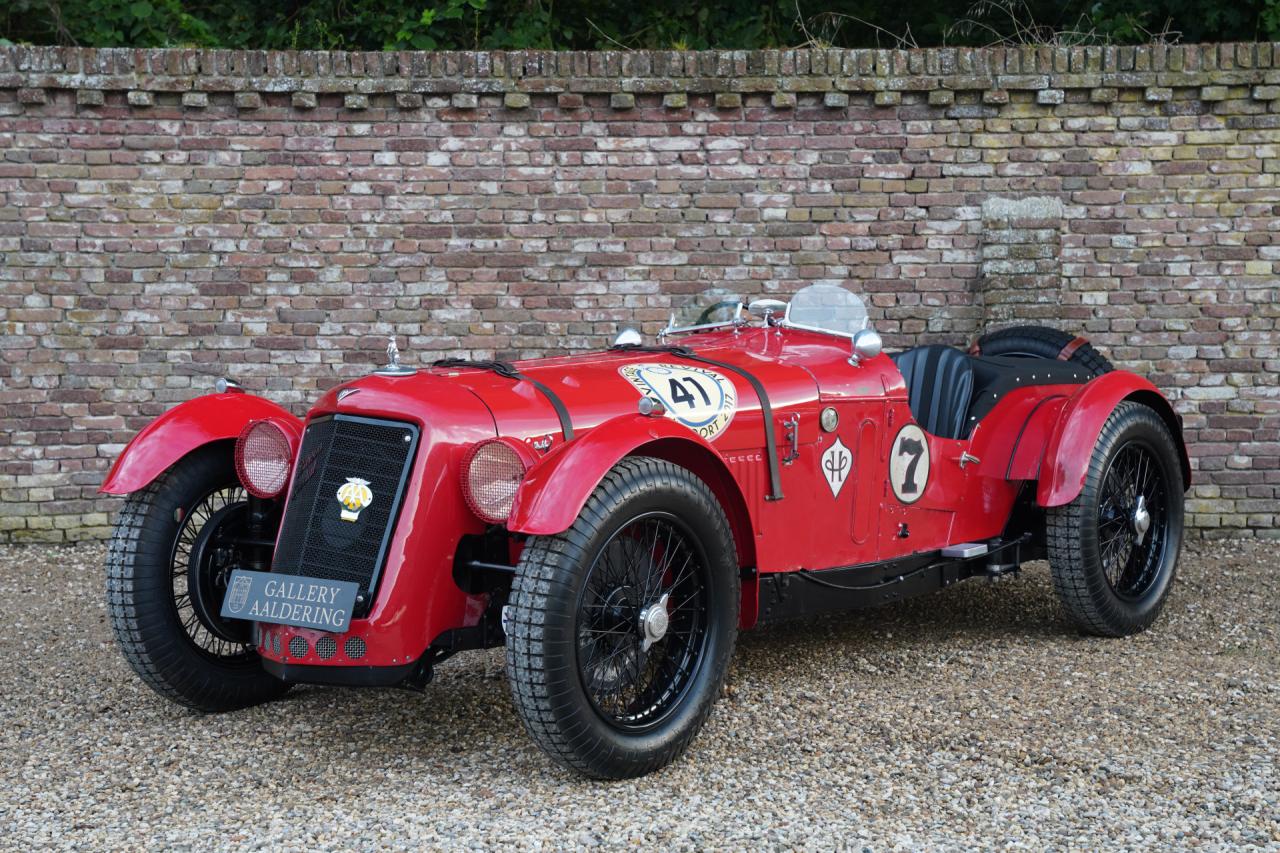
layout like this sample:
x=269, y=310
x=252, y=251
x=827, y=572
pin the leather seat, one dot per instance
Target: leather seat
x=939, y=388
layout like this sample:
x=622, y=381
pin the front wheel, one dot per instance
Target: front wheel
x=1113, y=550
x=620, y=629
x=175, y=544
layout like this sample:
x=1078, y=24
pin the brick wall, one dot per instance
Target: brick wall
x=169, y=216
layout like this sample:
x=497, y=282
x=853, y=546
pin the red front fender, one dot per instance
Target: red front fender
x=1066, y=455
x=181, y=430
x=555, y=489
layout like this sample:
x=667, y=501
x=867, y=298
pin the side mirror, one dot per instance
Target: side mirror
x=628, y=337
x=866, y=344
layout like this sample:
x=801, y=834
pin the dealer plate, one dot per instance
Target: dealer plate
x=290, y=600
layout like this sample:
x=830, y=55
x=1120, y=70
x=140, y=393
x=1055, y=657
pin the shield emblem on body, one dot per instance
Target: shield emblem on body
x=239, y=593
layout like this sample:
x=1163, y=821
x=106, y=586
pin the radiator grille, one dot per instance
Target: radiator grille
x=318, y=536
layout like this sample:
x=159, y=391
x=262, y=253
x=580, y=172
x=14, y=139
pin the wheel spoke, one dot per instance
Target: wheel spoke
x=645, y=560
x=1130, y=566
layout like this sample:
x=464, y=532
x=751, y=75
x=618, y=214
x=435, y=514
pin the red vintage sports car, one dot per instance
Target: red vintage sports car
x=615, y=518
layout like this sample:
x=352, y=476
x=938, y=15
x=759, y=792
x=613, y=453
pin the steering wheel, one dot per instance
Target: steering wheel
x=705, y=317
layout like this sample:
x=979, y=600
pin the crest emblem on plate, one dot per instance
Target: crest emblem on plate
x=837, y=461
x=354, y=495
x=239, y=593
x=701, y=399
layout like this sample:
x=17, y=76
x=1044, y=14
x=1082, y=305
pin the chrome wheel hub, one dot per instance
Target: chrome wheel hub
x=654, y=621
x=1141, y=520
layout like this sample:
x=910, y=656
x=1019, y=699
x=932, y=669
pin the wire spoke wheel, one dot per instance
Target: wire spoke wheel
x=1113, y=550
x=642, y=621
x=203, y=558
x=171, y=554
x=1132, y=551
x=620, y=629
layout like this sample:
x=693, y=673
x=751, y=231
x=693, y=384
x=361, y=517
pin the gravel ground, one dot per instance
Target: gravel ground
x=973, y=718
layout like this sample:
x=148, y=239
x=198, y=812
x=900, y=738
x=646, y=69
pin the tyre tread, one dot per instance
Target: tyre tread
x=545, y=566
x=137, y=589
x=1078, y=579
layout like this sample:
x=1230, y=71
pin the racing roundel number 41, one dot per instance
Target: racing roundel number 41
x=701, y=399
x=909, y=464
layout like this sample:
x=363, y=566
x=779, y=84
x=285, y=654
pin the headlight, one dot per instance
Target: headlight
x=264, y=454
x=491, y=475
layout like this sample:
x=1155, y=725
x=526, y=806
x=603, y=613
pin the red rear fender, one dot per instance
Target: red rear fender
x=182, y=429
x=1067, y=452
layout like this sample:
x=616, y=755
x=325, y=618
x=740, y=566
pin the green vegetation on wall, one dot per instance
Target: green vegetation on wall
x=662, y=24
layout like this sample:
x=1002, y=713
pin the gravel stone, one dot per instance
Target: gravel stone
x=977, y=717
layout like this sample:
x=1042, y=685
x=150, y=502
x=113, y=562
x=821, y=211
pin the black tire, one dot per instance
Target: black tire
x=589, y=692
x=1041, y=342
x=1111, y=584
x=169, y=635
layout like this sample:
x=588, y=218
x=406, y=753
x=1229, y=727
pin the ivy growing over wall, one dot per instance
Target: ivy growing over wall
x=663, y=24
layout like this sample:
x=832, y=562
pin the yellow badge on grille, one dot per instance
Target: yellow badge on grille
x=354, y=495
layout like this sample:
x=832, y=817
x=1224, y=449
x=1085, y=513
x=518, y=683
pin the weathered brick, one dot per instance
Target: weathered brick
x=143, y=253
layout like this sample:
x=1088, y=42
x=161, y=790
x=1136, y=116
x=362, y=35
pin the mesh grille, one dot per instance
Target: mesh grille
x=326, y=647
x=298, y=646
x=354, y=647
x=275, y=643
x=322, y=536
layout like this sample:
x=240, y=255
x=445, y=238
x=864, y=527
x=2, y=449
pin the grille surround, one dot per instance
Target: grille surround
x=315, y=540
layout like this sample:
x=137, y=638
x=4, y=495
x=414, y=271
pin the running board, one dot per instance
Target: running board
x=802, y=593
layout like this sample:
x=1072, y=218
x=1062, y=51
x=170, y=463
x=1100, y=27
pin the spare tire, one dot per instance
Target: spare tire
x=1042, y=342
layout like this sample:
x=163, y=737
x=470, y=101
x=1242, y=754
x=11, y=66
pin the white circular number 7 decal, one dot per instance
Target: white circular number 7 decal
x=909, y=464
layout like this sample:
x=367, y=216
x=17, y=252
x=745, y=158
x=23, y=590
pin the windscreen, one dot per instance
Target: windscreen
x=712, y=307
x=828, y=308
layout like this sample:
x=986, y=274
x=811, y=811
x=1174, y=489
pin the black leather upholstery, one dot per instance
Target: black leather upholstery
x=939, y=388
x=950, y=392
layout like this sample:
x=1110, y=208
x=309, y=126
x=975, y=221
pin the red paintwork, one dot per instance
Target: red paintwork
x=1043, y=433
x=555, y=489
x=182, y=429
x=1066, y=455
x=417, y=598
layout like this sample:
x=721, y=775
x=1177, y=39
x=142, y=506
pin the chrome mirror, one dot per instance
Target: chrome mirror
x=866, y=344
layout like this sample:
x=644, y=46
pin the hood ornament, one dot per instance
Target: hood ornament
x=393, y=366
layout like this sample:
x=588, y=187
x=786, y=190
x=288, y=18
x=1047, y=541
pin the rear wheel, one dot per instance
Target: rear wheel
x=621, y=628
x=1042, y=342
x=1114, y=549
x=168, y=562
